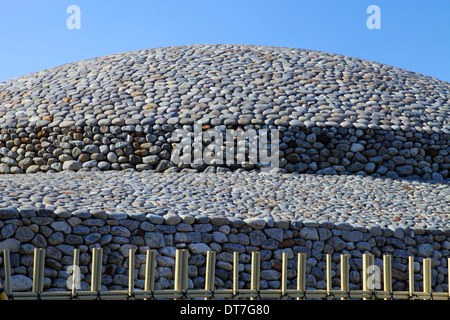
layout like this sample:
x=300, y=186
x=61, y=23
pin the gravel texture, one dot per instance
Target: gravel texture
x=227, y=84
x=354, y=199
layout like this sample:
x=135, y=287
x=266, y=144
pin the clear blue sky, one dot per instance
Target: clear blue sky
x=414, y=35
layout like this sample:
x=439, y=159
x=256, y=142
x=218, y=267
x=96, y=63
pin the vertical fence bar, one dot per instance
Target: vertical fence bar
x=427, y=276
x=4, y=293
x=255, y=276
x=185, y=269
x=329, y=275
x=181, y=269
x=7, y=265
x=411, y=276
x=368, y=263
x=387, y=273
x=301, y=273
x=96, y=275
x=98, y=282
x=284, y=275
x=372, y=271
x=210, y=271
x=131, y=265
x=41, y=269
x=38, y=270
x=235, y=274
x=75, y=271
x=372, y=286
x=97, y=263
x=371, y=260
x=178, y=274
x=100, y=268
x=150, y=266
x=94, y=269
x=448, y=276
x=345, y=269
x=364, y=273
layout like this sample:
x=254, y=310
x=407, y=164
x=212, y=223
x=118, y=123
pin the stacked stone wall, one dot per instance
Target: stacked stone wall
x=61, y=231
x=118, y=145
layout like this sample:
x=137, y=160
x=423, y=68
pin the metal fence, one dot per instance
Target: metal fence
x=181, y=291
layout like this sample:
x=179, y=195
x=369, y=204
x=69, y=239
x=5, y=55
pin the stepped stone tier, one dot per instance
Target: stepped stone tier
x=335, y=114
x=89, y=157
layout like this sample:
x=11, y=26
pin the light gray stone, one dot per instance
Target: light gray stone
x=21, y=283
x=8, y=213
x=356, y=147
x=62, y=226
x=352, y=236
x=11, y=244
x=155, y=219
x=309, y=233
x=199, y=248
x=172, y=219
x=274, y=233
x=425, y=250
x=24, y=234
x=255, y=223
x=257, y=237
x=337, y=243
x=270, y=275
x=72, y=165
x=120, y=231
x=154, y=239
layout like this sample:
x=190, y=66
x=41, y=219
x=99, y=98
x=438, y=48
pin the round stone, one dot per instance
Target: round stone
x=72, y=165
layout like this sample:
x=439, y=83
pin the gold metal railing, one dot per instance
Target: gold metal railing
x=181, y=291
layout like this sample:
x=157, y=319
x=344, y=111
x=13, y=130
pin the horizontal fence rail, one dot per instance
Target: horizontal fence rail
x=181, y=291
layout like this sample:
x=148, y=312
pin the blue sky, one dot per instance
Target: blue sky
x=414, y=35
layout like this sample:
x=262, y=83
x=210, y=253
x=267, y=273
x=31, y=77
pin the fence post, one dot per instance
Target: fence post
x=235, y=274
x=75, y=271
x=345, y=268
x=7, y=265
x=411, y=276
x=329, y=275
x=210, y=271
x=150, y=270
x=255, y=276
x=181, y=266
x=284, y=275
x=96, y=275
x=131, y=264
x=427, y=276
x=178, y=273
x=301, y=273
x=368, y=260
x=38, y=270
x=387, y=273
x=364, y=273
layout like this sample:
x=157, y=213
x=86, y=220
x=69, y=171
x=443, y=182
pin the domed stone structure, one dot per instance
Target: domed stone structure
x=339, y=129
x=335, y=114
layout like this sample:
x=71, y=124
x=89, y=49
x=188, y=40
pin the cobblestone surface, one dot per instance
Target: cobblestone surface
x=353, y=199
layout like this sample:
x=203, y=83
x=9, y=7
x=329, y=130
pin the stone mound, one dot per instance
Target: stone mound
x=335, y=114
